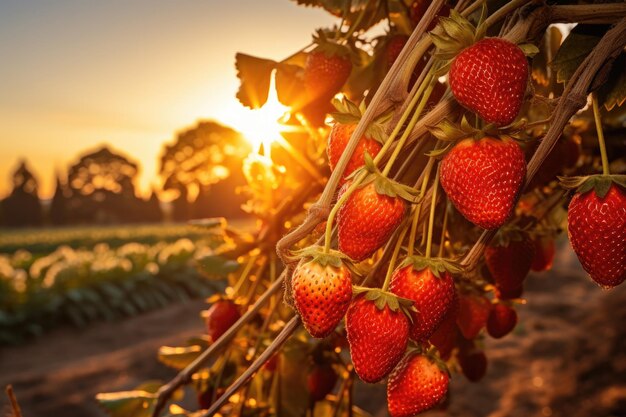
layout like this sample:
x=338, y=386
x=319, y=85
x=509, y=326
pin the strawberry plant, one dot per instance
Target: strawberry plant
x=415, y=216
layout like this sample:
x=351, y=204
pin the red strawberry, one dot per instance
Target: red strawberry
x=418, y=8
x=544, y=254
x=428, y=283
x=483, y=179
x=322, y=290
x=473, y=364
x=378, y=332
x=473, y=313
x=502, y=320
x=393, y=49
x=219, y=318
x=325, y=73
x=416, y=385
x=597, y=231
x=321, y=381
x=367, y=220
x=489, y=78
x=444, y=338
x=338, y=140
x=509, y=262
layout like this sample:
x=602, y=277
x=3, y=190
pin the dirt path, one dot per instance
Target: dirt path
x=567, y=358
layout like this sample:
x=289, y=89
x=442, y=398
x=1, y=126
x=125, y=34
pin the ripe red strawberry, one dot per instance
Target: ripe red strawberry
x=338, y=140
x=483, y=179
x=366, y=220
x=416, y=385
x=473, y=364
x=444, y=338
x=509, y=262
x=544, y=254
x=418, y=8
x=597, y=232
x=473, y=313
x=378, y=333
x=489, y=78
x=322, y=290
x=321, y=381
x=325, y=73
x=502, y=320
x=393, y=48
x=222, y=314
x=428, y=283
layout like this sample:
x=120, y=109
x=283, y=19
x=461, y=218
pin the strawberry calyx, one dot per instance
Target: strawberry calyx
x=329, y=47
x=316, y=254
x=436, y=265
x=599, y=183
x=430, y=353
x=508, y=234
x=349, y=113
x=384, y=185
x=382, y=299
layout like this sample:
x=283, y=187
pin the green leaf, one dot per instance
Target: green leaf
x=128, y=403
x=178, y=357
x=575, y=49
x=613, y=92
x=254, y=74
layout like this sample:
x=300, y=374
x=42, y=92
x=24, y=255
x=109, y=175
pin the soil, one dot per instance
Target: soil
x=566, y=358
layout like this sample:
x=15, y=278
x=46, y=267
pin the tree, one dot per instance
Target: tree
x=152, y=210
x=22, y=207
x=102, y=189
x=205, y=161
x=58, y=205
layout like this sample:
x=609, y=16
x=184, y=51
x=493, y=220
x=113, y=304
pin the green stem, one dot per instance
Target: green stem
x=418, y=210
x=443, y=231
x=596, y=116
x=431, y=219
x=244, y=275
x=394, y=258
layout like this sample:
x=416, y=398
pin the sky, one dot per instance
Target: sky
x=76, y=74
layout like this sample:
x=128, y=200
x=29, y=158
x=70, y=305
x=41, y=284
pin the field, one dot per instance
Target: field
x=80, y=275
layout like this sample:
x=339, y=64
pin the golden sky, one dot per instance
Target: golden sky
x=77, y=74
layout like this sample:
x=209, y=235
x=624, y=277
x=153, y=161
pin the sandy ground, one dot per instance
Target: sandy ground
x=566, y=358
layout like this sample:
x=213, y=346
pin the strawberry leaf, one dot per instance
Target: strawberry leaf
x=289, y=85
x=613, y=92
x=575, y=49
x=254, y=74
x=178, y=357
x=127, y=403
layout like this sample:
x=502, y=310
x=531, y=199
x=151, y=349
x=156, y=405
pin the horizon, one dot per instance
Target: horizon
x=94, y=74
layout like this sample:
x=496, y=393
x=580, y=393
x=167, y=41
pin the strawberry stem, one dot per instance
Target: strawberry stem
x=443, y=231
x=431, y=219
x=596, y=116
x=418, y=209
x=394, y=258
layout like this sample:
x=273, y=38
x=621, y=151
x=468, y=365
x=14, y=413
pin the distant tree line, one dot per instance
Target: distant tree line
x=99, y=188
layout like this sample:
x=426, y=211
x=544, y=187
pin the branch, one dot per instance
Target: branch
x=17, y=412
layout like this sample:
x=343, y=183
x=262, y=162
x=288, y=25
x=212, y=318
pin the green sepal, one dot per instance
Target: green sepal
x=316, y=254
x=435, y=153
x=436, y=265
x=529, y=49
x=384, y=299
x=349, y=113
x=329, y=47
x=599, y=183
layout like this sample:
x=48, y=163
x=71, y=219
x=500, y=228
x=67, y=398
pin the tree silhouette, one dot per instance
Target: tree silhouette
x=103, y=190
x=152, y=208
x=205, y=160
x=22, y=207
x=58, y=205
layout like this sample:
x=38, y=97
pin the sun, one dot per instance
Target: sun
x=263, y=126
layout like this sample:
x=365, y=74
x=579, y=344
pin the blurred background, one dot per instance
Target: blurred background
x=111, y=114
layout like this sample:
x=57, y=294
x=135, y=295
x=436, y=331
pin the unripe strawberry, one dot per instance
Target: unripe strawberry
x=502, y=320
x=490, y=78
x=597, y=232
x=416, y=385
x=483, y=178
x=220, y=317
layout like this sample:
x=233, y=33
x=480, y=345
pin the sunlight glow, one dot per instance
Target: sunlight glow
x=263, y=126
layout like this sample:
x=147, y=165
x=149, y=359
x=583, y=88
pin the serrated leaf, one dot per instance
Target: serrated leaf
x=574, y=50
x=128, y=403
x=290, y=85
x=613, y=92
x=345, y=118
x=255, y=75
x=178, y=357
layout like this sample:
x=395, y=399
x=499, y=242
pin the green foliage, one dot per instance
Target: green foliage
x=128, y=403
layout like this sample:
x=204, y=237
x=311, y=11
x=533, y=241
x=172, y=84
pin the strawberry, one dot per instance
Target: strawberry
x=483, y=178
x=325, y=72
x=473, y=363
x=444, y=338
x=378, y=333
x=393, y=48
x=320, y=381
x=220, y=317
x=417, y=384
x=418, y=8
x=489, y=78
x=544, y=254
x=322, y=290
x=597, y=228
x=502, y=320
x=509, y=262
x=473, y=313
x=369, y=216
x=428, y=283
